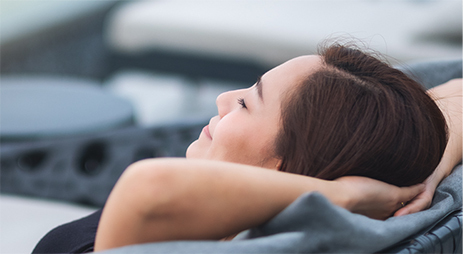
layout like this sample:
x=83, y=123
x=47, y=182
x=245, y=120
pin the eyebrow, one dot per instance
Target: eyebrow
x=259, y=88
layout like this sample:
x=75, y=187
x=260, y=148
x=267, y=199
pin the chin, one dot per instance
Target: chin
x=192, y=151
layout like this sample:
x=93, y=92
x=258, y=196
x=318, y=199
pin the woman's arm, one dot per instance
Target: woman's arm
x=174, y=199
x=449, y=99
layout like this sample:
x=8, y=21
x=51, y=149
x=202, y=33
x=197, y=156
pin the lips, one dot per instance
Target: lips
x=206, y=131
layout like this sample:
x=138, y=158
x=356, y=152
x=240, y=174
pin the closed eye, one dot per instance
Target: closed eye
x=242, y=103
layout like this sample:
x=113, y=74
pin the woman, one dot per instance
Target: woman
x=338, y=114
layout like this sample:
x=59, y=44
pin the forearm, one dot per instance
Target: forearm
x=172, y=199
x=449, y=99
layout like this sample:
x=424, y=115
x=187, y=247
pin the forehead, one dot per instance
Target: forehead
x=301, y=64
x=288, y=74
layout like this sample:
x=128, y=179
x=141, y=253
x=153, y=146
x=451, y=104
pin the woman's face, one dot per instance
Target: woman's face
x=248, y=121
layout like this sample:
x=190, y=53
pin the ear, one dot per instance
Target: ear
x=278, y=164
x=272, y=164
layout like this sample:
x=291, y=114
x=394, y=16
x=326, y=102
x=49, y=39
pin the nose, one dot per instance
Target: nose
x=225, y=102
x=222, y=106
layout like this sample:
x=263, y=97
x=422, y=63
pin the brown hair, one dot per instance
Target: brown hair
x=358, y=116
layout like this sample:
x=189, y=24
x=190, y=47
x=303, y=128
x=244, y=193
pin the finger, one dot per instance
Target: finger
x=408, y=193
x=401, y=210
x=413, y=207
x=404, y=210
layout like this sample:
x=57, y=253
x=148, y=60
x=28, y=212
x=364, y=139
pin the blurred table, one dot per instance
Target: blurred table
x=46, y=129
x=49, y=107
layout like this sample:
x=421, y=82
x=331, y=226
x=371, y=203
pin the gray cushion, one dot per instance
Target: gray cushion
x=433, y=73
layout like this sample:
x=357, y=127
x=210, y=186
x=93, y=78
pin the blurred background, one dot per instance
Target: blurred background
x=88, y=87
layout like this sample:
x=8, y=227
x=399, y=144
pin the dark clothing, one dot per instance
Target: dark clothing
x=74, y=237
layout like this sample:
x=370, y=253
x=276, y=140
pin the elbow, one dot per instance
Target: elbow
x=150, y=187
x=143, y=195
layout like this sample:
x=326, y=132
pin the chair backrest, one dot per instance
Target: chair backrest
x=84, y=168
x=444, y=237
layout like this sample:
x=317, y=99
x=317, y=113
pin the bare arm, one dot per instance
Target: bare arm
x=449, y=99
x=173, y=199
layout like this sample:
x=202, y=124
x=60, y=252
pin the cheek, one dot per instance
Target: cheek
x=246, y=144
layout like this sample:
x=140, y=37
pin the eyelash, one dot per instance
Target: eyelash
x=242, y=102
